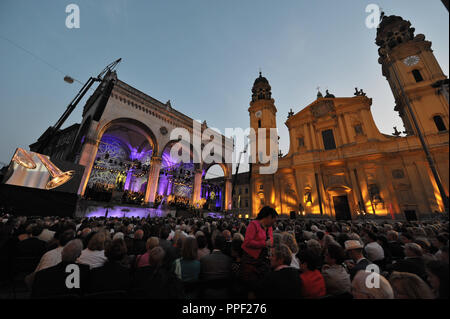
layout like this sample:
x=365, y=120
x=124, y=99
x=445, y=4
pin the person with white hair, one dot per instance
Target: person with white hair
x=51, y=282
x=375, y=287
x=118, y=235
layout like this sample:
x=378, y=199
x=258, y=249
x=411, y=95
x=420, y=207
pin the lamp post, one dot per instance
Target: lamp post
x=436, y=177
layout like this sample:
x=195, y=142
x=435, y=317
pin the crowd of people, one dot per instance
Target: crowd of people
x=269, y=257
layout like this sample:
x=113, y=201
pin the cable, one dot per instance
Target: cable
x=39, y=58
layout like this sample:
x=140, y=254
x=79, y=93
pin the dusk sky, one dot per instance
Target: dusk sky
x=203, y=55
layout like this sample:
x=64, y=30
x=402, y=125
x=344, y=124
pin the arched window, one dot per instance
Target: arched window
x=417, y=76
x=440, y=125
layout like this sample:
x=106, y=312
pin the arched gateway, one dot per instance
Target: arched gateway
x=126, y=144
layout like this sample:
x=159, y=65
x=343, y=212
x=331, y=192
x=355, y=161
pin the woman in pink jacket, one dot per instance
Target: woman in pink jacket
x=258, y=240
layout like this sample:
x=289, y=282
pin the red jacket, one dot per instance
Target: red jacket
x=313, y=284
x=255, y=239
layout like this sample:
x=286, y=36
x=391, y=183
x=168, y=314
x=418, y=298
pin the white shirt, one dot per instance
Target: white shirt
x=294, y=263
x=374, y=251
x=50, y=258
x=93, y=258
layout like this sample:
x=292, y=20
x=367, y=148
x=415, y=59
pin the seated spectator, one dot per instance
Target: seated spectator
x=216, y=265
x=337, y=279
x=155, y=281
x=373, y=249
x=437, y=275
x=170, y=252
x=202, y=249
x=409, y=286
x=289, y=240
x=52, y=281
x=143, y=260
x=284, y=281
x=360, y=290
x=227, y=247
x=29, y=251
x=138, y=245
x=427, y=256
x=112, y=275
x=395, y=248
x=187, y=268
x=313, y=283
x=236, y=255
x=94, y=254
x=413, y=261
x=53, y=257
x=358, y=262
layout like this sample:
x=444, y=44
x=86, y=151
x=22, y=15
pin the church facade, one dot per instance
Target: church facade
x=340, y=165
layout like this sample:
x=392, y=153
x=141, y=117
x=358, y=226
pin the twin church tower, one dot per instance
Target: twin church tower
x=339, y=164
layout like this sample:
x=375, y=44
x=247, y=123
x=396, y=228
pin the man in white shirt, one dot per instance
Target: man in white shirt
x=52, y=257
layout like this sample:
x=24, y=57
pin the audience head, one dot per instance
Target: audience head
x=392, y=235
x=413, y=250
x=334, y=254
x=409, y=286
x=97, y=242
x=71, y=251
x=219, y=242
x=437, y=272
x=139, y=234
x=354, y=249
x=116, y=250
x=201, y=241
x=151, y=243
x=267, y=216
x=156, y=256
x=227, y=234
x=289, y=240
x=309, y=260
x=189, y=249
x=280, y=255
x=360, y=289
x=65, y=237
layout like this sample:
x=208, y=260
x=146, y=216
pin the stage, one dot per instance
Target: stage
x=92, y=209
x=101, y=209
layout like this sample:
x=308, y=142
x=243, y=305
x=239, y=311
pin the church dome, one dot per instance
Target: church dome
x=261, y=89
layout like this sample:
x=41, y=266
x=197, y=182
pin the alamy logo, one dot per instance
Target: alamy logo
x=73, y=19
x=373, y=19
x=73, y=279
x=373, y=280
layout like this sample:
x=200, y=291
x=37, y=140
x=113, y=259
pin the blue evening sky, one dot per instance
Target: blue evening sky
x=203, y=55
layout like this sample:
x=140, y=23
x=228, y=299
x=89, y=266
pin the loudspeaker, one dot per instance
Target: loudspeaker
x=293, y=215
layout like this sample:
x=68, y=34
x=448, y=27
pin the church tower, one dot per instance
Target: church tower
x=263, y=150
x=408, y=63
x=262, y=113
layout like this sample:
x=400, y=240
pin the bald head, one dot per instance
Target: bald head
x=71, y=251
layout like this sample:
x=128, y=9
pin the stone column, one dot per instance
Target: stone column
x=87, y=159
x=153, y=177
x=197, y=187
x=228, y=191
x=342, y=130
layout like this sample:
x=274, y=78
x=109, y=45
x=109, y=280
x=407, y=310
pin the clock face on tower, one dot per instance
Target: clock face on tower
x=258, y=114
x=411, y=60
